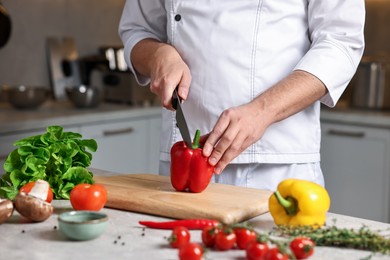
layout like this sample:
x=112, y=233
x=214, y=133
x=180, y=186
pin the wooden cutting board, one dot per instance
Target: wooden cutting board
x=153, y=194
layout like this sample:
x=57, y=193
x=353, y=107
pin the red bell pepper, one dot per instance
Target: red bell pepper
x=189, y=168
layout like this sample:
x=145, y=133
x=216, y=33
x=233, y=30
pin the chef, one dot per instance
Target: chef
x=252, y=75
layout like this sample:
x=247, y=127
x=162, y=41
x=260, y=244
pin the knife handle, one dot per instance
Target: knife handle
x=175, y=98
x=174, y=103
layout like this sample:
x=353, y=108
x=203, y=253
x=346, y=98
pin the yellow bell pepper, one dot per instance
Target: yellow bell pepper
x=299, y=203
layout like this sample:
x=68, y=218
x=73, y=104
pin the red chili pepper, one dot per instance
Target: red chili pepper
x=188, y=223
x=189, y=168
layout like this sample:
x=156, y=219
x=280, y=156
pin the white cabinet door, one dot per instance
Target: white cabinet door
x=355, y=164
x=122, y=146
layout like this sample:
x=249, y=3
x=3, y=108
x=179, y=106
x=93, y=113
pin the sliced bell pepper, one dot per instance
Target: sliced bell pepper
x=299, y=203
x=190, y=170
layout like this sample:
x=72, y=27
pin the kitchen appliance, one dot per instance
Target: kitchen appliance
x=115, y=57
x=63, y=65
x=121, y=87
x=88, y=64
x=153, y=194
x=371, y=83
x=108, y=71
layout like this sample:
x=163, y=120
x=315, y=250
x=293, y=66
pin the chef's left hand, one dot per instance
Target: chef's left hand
x=236, y=129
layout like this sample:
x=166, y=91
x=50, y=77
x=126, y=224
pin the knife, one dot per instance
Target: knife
x=180, y=119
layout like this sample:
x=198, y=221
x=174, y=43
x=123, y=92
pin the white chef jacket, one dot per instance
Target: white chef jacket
x=236, y=49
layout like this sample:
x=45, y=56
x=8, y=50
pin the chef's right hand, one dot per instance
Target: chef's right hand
x=168, y=70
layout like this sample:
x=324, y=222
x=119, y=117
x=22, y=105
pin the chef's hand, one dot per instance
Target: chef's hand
x=236, y=129
x=239, y=127
x=168, y=71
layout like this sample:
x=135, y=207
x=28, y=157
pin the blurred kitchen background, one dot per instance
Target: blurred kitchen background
x=55, y=44
x=91, y=23
x=71, y=44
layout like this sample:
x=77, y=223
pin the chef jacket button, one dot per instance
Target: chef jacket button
x=177, y=17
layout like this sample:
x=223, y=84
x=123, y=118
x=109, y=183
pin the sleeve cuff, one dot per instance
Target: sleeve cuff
x=333, y=66
x=132, y=40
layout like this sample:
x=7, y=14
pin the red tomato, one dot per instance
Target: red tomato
x=180, y=237
x=275, y=254
x=191, y=251
x=88, y=197
x=208, y=236
x=256, y=251
x=302, y=247
x=28, y=187
x=225, y=239
x=244, y=237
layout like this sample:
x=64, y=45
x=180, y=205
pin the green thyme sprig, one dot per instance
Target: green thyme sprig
x=363, y=238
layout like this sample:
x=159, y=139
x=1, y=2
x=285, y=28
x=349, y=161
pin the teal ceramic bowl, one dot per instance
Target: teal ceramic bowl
x=82, y=225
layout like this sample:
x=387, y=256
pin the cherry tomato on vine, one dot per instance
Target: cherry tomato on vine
x=302, y=247
x=27, y=188
x=225, y=239
x=180, y=237
x=275, y=254
x=208, y=236
x=244, y=236
x=191, y=251
x=88, y=197
x=256, y=251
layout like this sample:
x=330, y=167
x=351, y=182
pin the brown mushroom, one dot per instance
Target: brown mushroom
x=6, y=209
x=33, y=205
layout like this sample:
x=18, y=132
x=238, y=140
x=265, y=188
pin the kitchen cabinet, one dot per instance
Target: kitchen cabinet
x=127, y=146
x=356, y=167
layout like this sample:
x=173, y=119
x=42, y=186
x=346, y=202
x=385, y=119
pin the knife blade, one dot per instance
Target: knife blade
x=180, y=119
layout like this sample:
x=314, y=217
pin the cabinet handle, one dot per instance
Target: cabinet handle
x=346, y=133
x=118, y=131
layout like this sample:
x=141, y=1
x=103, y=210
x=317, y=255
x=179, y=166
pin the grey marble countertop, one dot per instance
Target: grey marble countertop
x=124, y=238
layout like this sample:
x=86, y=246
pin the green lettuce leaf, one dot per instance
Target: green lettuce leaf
x=59, y=157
